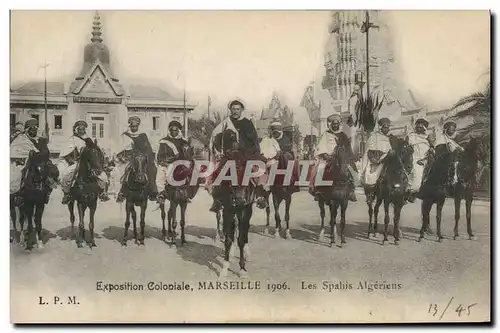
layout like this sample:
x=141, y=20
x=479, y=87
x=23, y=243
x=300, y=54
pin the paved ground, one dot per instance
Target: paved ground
x=429, y=274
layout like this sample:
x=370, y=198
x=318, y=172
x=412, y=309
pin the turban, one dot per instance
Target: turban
x=422, y=121
x=234, y=102
x=449, y=123
x=31, y=123
x=384, y=121
x=175, y=123
x=80, y=123
x=275, y=125
x=134, y=120
x=333, y=117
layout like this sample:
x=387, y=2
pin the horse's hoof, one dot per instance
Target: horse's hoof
x=288, y=235
x=224, y=270
x=124, y=242
x=396, y=242
x=455, y=236
x=276, y=234
x=183, y=242
x=440, y=239
x=79, y=245
x=321, y=236
x=472, y=237
x=141, y=242
x=246, y=253
x=244, y=274
x=40, y=245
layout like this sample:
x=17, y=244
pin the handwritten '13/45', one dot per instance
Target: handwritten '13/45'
x=461, y=308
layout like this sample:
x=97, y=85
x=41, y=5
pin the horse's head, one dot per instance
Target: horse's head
x=36, y=170
x=477, y=150
x=400, y=163
x=138, y=165
x=91, y=159
x=230, y=144
x=339, y=162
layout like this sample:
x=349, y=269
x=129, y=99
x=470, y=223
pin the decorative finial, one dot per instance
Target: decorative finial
x=96, y=33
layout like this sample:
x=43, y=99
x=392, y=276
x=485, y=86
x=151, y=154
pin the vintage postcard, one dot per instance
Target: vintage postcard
x=250, y=166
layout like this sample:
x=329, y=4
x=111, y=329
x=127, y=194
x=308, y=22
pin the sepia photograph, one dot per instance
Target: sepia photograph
x=246, y=166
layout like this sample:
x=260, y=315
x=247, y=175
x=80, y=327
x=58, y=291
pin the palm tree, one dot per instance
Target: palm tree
x=201, y=129
x=477, y=106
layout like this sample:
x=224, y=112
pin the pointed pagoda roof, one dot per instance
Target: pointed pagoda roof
x=96, y=56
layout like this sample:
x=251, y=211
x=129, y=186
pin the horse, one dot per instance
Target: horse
x=85, y=190
x=136, y=192
x=31, y=198
x=281, y=193
x=470, y=167
x=178, y=196
x=391, y=188
x=108, y=165
x=237, y=202
x=336, y=195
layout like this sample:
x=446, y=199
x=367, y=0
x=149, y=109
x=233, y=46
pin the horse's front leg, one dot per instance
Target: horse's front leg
x=333, y=223
x=439, y=212
x=468, y=215
x=39, y=208
x=386, y=220
x=172, y=224
x=343, y=209
x=321, y=205
x=244, y=227
x=228, y=226
x=133, y=213
x=458, y=201
x=183, y=222
x=163, y=216
x=29, y=216
x=92, y=209
x=71, y=208
x=268, y=213
x=370, y=217
x=142, y=222
x=288, y=202
x=376, y=209
x=81, y=225
x=128, y=211
x=397, y=217
x=277, y=217
x=426, y=211
x=220, y=231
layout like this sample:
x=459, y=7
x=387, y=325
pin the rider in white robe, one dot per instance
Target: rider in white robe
x=68, y=162
x=419, y=141
x=20, y=149
x=379, y=140
x=446, y=144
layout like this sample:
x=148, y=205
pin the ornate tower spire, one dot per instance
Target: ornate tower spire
x=96, y=29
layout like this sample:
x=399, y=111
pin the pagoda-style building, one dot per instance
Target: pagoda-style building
x=345, y=69
x=97, y=96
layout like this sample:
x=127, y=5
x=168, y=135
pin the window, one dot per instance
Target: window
x=12, y=120
x=101, y=130
x=178, y=118
x=94, y=130
x=156, y=123
x=58, y=122
x=37, y=117
x=97, y=118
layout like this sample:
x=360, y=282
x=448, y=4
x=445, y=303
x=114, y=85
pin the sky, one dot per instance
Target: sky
x=443, y=55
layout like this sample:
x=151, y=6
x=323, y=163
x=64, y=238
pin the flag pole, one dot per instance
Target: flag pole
x=46, y=130
x=208, y=115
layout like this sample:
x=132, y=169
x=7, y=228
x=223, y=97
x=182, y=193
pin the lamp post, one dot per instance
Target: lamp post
x=44, y=66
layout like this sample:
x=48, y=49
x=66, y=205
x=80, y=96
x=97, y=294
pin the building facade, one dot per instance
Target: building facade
x=345, y=68
x=97, y=96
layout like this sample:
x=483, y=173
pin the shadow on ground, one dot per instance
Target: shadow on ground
x=114, y=233
x=46, y=235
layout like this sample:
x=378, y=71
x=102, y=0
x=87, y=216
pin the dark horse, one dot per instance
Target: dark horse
x=237, y=202
x=335, y=196
x=33, y=194
x=178, y=196
x=86, y=189
x=436, y=187
x=391, y=188
x=136, y=192
x=470, y=168
x=281, y=193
